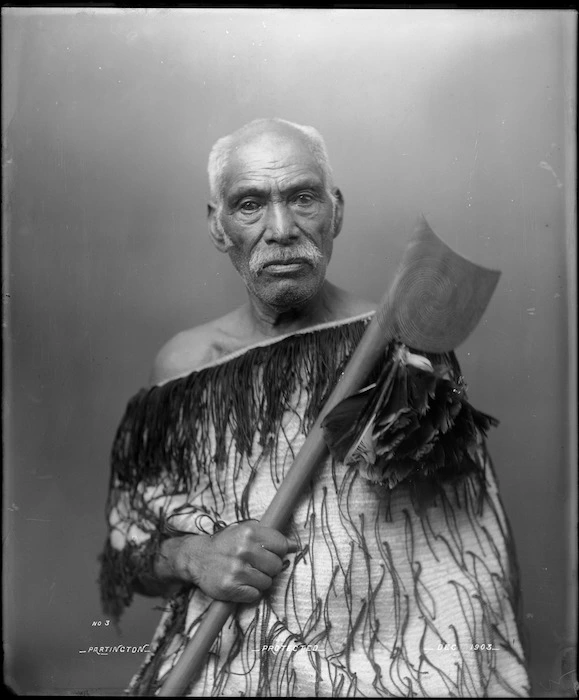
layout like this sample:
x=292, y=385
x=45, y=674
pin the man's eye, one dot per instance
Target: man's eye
x=304, y=199
x=249, y=207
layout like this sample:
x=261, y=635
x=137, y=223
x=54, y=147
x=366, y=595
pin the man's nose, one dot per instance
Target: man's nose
x=280, y=226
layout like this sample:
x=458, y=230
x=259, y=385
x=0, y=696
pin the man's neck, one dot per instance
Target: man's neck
x=329, y=304
x=271, y=321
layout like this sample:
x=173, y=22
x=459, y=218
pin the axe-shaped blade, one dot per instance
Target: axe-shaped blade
x=437, y=297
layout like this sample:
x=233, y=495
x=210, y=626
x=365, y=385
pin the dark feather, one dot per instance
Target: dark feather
x=411, y=425
x=341, y=425
x=347, y=422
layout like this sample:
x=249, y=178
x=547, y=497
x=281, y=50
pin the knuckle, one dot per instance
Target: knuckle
x=248, y=527
x=246, y=535
x=235, y=570
x=241, y=552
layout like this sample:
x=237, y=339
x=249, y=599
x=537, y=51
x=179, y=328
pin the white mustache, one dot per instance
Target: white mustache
x=304, y=251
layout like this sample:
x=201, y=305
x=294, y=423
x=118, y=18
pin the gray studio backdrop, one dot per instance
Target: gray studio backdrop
x=108, y=118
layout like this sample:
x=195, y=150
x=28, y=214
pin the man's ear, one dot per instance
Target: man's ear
x=216, y=233
x=339, y=215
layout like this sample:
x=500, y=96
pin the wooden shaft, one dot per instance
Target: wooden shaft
x=314, y=449
x=195, y=653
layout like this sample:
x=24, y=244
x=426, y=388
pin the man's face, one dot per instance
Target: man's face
x=277, y=219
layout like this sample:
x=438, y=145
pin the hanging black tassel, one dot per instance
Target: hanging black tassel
x=178, y=432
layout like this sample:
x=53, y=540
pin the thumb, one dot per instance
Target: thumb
x=292, y=545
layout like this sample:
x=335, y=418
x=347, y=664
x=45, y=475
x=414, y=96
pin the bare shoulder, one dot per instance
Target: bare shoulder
x=187, y=351
x=182, y=353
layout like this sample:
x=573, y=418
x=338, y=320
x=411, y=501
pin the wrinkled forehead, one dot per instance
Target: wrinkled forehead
x=271, y=154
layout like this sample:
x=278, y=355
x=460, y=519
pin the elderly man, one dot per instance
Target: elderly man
x=402, y=584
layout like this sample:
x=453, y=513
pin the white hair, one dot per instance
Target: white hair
x=221, y=150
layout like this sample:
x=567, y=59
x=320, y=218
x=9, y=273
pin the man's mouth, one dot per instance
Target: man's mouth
x=287, y=266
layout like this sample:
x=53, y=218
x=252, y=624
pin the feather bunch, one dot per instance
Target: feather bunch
x=414, y=423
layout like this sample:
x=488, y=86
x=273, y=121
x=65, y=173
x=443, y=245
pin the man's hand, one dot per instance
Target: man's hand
x=237, y=564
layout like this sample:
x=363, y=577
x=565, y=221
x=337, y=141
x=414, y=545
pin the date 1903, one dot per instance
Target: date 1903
x=470, y=647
